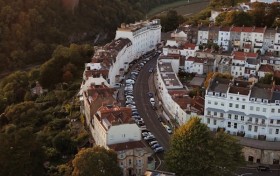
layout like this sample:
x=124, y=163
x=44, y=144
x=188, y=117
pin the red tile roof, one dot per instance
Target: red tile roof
x=247, y=29
x=236, y=29
x=242, y=55
x=277, y=73
x=189, y=46
x=259, y=30
x=266, y=68
x=127, y=146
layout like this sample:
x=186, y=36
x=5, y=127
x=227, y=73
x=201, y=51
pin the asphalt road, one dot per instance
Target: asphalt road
x=246, y=171
x=141, y=88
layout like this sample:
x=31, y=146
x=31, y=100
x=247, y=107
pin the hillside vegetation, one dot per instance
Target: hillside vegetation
x=30, y=29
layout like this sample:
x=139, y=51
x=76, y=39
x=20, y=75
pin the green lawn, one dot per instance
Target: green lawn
x=175, y=6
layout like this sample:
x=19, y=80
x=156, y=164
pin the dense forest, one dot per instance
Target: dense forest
x=30, y=29
x=40, y=134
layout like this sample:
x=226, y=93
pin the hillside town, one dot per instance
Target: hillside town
x=233, y=70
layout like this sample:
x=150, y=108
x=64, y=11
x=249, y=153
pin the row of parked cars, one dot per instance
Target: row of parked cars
x=128, y=92
x=151, y=140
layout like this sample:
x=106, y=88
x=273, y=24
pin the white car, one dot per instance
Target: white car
x=129, y=97
x=149, y=137
x=168, y=129
x=129, y=81
x=131, y=106
x=152, y=100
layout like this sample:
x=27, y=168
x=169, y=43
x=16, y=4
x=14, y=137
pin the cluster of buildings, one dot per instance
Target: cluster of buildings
x=237, y=103
x=110, y=124
x=232, y=38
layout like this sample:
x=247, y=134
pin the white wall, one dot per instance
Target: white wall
x=123, y=133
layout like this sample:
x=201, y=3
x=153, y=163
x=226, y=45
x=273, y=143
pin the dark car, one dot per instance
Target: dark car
x=263, y=168
x=150, y=94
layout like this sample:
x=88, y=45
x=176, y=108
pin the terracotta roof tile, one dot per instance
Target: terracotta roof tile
x=266, y=68
x=189, y=46
x=127, y=146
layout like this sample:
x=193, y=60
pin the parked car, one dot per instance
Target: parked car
x=158, y=150
x=155, y=146
x=160, y=118
x=117, y=85
x=168, y=129
x=130, y=106
x=263, y=168
x=129, y=96
x=130, y=81
x=150, y=94
x=152, y=100
x=153, y=143
x=144, y=134
x=149, y=137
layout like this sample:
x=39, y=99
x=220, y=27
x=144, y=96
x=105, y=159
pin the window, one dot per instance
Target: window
x=272, y=110
x=278, y=110
x=242, y=118
x=278, y=121
x=243, y=106
x=229, y=116
x=277, y=131
x=223, y=104
x=250, y=128
x=258, y=109
x=236, y=105
x=263, y=121
x=271, y=121
x=129, y=161
x=256, y=120
x=209, y=102
x=235, y=117
x=250, y=119
x=255, y=128
x=215, y=113
x=237, y=99
x=221, y=115
x=243, y=99
x=229, y=124
x=231, y=98
x=235, y=125
x=230, y=104
x=208, y=120
x=215, y=122
x=216, y=103
x=251, y=108
x=264, y=109
x=208, y=112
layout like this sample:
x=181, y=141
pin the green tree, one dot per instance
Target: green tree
x=195, y=151
x=96, y=161
x=171, y=21
x=267, y=79
x=20, y=153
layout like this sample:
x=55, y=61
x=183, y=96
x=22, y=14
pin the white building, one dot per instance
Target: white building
x=144, y=35
x=189, y=50
x=243, y=108
x=203, y=34
x=239, y=61
x=224, y=38
x=121, y=50
x=167, y=81
x=112, y=125
x=246, y=36
x=277, y=42
x=258, y=38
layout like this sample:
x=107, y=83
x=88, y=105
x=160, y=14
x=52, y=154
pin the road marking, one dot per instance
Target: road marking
x=159, y=162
